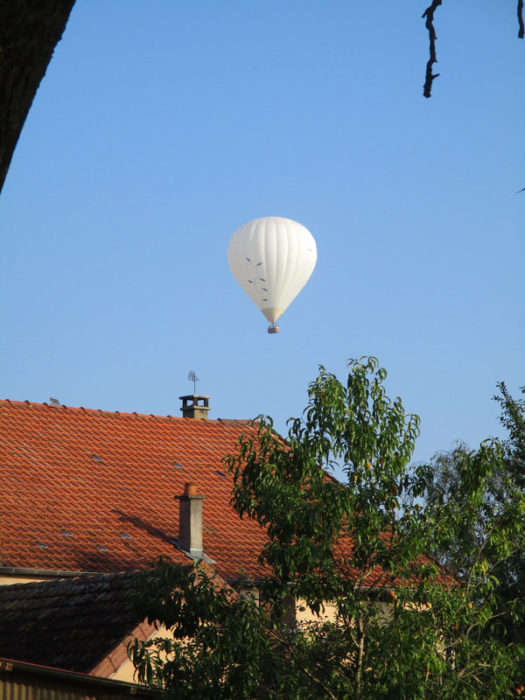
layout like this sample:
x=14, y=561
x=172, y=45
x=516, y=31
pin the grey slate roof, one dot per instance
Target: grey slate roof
x=71, y=624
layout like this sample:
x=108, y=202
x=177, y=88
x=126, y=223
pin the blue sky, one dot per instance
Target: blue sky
x=162, y=126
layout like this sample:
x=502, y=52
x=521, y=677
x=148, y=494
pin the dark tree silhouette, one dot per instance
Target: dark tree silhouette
x=428, y=16
x=29, y=32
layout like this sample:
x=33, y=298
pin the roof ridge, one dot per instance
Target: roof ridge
x=236, y=421
x=124, y=414
x=83, y=409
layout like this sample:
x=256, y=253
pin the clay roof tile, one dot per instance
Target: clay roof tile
x=98, y=473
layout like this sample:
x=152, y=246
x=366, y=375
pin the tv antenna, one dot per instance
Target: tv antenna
x=193, y=378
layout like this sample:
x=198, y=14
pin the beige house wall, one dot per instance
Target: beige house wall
x=8, y=580
x=126, y=670
x=304, y=615
x=126, y=673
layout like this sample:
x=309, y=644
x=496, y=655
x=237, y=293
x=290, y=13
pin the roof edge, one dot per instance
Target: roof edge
x=118, y=655
x=48, y=573
x=10, y=665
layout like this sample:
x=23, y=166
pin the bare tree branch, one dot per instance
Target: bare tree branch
x=428, y=15
x=429, y=24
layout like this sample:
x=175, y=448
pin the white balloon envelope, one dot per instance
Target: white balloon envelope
x=272, y=259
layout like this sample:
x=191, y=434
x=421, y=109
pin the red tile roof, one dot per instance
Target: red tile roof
x=88, y=490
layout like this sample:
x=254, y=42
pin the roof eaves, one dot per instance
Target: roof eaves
x=13, y=665
x=47, y=573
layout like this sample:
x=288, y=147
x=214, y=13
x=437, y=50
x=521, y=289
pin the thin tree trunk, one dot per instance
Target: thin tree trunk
x=360, y=657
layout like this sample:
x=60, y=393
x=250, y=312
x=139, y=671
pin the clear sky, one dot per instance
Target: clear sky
x=163, y=125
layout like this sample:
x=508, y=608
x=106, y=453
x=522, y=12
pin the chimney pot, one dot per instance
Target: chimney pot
x=190, y=521
x=190, y=489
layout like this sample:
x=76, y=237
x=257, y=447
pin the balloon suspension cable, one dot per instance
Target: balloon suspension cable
x=273, y=328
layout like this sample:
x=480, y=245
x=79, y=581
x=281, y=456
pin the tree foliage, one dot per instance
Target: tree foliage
x=487, y=530
x=401, y=625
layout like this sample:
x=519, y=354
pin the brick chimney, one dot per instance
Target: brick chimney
x=195, y=406
x=190, y=521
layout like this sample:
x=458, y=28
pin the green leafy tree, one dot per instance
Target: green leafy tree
x=402, y=626
x=485, y=529
x=511, y=571
x=513, y=419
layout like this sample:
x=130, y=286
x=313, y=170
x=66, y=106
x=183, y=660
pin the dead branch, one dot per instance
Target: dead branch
x=428, y=15
x=429, y=24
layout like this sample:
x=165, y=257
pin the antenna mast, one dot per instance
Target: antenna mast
x=193, y=378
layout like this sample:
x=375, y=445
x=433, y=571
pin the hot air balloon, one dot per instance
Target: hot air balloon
x=272, y=259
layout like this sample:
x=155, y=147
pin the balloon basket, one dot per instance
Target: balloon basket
x=273, y=328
